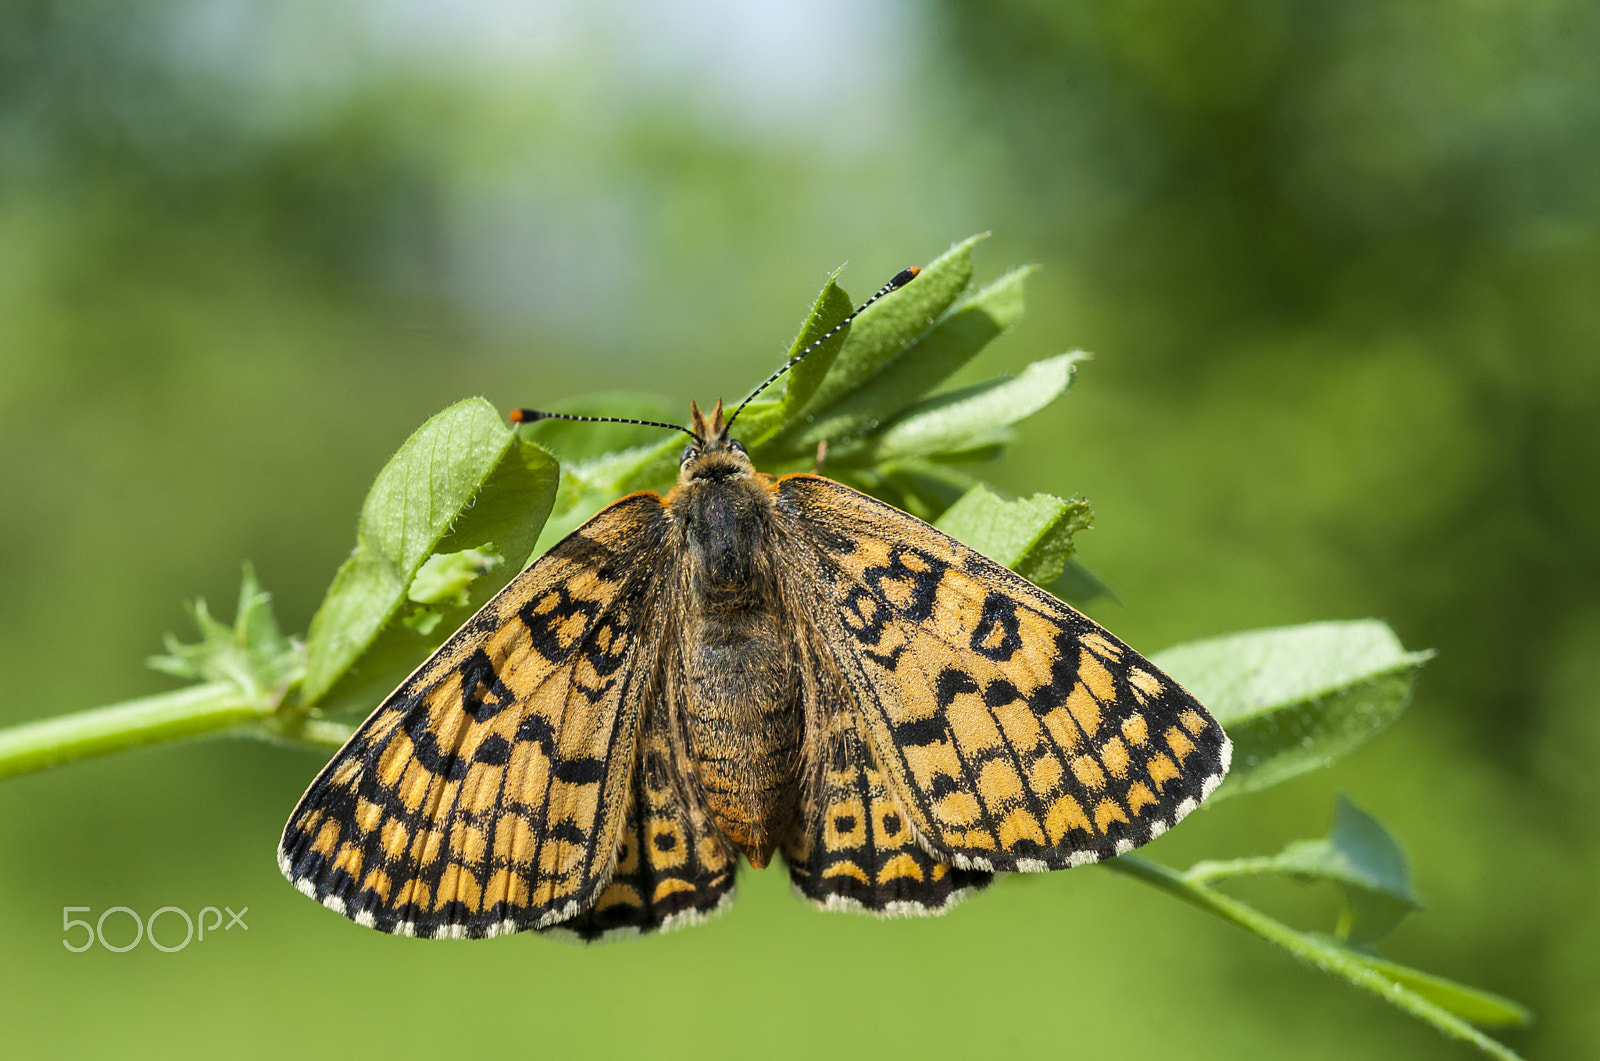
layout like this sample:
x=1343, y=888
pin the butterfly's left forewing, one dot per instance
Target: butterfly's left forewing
x=1016, y=733
x=486, y=795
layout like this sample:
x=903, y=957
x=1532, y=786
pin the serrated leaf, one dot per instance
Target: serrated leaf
x=954, y=340
x=462, y=480
x=964, y=418
x=254, y=622
x=252, y=654
x=1296, y=698
x=1032, y=536
x=891, y=325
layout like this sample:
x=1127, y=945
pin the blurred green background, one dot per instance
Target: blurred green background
x=1340, y=268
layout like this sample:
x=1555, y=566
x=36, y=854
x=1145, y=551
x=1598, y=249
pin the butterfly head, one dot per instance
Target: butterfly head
x=712, y=454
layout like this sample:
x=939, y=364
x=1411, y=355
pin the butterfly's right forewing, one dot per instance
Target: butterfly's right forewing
x=487, y=794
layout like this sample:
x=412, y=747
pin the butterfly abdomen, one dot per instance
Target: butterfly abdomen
x=745, y=725
x=743, y=713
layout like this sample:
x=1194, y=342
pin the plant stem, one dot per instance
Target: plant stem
x=1322, y=955
x=1202, y=873
x=214, y=708
x=199, y=709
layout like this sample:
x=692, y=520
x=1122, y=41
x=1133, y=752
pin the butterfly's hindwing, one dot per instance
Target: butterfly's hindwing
x=672, y=866
x=1018, y=733
x=853, y=848
x=486, y=795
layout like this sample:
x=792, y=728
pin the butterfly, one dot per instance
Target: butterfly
x=752, y=666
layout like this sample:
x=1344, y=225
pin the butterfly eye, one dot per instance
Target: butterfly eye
x=689, y=453
x=736, y=444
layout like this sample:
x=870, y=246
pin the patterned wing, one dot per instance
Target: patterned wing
x=487, y=794
x=673, y=867
x=853, y=849
x=1018, y=734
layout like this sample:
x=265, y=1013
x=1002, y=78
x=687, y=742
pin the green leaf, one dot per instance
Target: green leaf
x=923, y=488
x=588, y=486
x=252, y=654
x=831, y=307
x=891, y=325
x=761, y=420
x=1080, y=586
x=464, y=480
x=1358, y=855
x=1483, y=1008
x=1374, y=874
x=1032, y=536
x=445, y=581
x=1296, y=698
x=968, y=417
x=957, y=337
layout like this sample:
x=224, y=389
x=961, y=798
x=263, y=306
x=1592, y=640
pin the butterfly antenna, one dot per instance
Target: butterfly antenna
x=901, y=279
x=533, y=416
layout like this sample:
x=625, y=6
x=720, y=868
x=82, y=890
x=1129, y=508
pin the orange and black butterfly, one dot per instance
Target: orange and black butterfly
x=751, y=665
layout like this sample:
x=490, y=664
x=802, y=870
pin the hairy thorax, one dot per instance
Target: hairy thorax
x=742, y=719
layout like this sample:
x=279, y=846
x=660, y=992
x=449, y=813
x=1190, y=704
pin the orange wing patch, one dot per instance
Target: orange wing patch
x=1016, y=733
x=487, y=794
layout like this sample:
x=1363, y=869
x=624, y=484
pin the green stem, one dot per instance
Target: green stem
x=1221, y=869
x=214, y=708
x=1324, y=956
x=189, y=712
